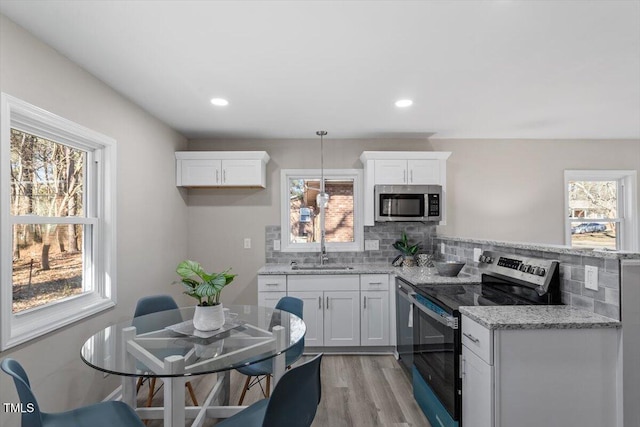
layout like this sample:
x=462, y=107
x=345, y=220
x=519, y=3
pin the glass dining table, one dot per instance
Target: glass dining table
x=166, y=345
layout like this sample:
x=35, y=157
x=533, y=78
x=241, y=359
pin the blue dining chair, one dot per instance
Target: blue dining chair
x=149, y=305
x=294, y=401
x=104, y=414
x=263, y=369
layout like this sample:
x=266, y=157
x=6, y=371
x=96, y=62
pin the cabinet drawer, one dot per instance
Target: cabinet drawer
x=374, y=282
x=478, y=339
x=272, y=283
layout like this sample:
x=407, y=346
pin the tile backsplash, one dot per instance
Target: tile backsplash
x=385, y=233
x=604, y=301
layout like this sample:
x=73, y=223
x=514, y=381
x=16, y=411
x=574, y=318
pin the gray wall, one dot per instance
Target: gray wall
x=513, y=190
x=508, y=190
x=152, y=214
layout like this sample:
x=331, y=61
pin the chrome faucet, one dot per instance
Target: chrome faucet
x=324, y=258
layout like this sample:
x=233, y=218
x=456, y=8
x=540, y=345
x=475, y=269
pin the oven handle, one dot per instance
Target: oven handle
x=448, y=321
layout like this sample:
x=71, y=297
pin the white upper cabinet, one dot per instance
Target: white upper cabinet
x=410, y=172
x=402, y=168
x=221, y=168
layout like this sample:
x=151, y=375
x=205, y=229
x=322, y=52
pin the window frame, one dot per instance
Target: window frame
x=329, y=174
x=99, y=246
x=627, y=219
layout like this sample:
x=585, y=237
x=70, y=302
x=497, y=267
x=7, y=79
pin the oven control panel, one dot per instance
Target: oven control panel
x=534, y=272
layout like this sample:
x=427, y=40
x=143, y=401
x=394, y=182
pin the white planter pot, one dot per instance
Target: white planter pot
x=208, y=318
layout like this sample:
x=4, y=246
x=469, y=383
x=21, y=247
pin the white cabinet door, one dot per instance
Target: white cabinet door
x=313, y=315
x=341, y=318
x=390, y=172
x=270, y=299
x=198, y=173
x=241, y=172
x=477, y=390
x=424, y=172
x=375, y=318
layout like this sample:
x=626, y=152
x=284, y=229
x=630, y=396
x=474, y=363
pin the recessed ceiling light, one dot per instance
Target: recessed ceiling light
x=220, y=102
x=403, y=103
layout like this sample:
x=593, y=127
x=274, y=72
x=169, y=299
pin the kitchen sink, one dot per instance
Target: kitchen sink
x=321, y=267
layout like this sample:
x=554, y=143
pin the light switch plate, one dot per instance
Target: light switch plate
x=591, y=277
x=372, y=245
x=276, y=245
x=476, y=254
x=247, y=243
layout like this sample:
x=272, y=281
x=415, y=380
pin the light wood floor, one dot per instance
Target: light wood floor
x=360, y=391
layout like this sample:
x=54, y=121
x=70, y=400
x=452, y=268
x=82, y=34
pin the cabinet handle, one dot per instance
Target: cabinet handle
x=375, y=283
x=224, y=175
x=271, y=284
x=327, y=302
x=319, y=303
x=365, y=301
x=471, y=337
x=411, y=175
x=404, y=175
x=217, y=176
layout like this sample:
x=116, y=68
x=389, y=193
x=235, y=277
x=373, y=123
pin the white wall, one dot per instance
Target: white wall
x=152, y=214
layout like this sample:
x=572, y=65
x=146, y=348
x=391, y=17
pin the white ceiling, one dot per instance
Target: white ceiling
x=475, y=69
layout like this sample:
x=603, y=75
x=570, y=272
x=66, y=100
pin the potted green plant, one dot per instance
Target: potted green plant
x=408, y=251
x=204, y=287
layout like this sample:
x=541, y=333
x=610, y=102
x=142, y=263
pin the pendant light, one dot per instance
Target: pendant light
x=322, y=199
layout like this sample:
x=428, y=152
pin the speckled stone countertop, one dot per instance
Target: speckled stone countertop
x=414, y=275
x=356, y=269
x=537, y=317
x=557, y=249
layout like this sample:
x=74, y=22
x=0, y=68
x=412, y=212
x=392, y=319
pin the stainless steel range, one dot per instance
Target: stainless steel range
x=506, y=279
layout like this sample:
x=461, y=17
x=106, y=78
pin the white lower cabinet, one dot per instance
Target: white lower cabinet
x=477, y=387
x=374, y=318
x=539, y=377
x=341, y=319
x=340, y=310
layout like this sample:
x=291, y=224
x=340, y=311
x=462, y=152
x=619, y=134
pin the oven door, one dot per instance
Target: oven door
x=436, y=358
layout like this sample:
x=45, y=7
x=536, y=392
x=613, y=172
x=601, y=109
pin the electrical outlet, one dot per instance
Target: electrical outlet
x=591, y=277
x=476, y=254
x=247, y=243
x=372, y=245
x=276, y=245
x=442, y=248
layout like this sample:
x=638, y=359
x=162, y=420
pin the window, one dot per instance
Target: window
x=601, y=210
x=57, y=217
x=301, y=219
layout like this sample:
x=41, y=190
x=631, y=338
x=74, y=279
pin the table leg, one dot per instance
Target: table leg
x=174, y=395
x=280, y=360
x=128, y=383
x=222, y=399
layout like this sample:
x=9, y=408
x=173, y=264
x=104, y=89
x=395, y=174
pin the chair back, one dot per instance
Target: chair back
x=295, y=399
x=294, y=306
x=27, y=399
x=154, y=304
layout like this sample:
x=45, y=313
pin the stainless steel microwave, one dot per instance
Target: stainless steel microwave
x=408, y=203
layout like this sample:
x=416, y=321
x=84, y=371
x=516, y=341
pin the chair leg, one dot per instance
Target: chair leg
x=191, y=393
x=152, y=386
x=268, y=390
x=139, y=384
x=244, y=390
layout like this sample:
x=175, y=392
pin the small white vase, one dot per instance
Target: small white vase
x=208, y=318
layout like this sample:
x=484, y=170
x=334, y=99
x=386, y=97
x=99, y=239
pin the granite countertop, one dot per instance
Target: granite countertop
x=537, y=317
x=414, y=275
